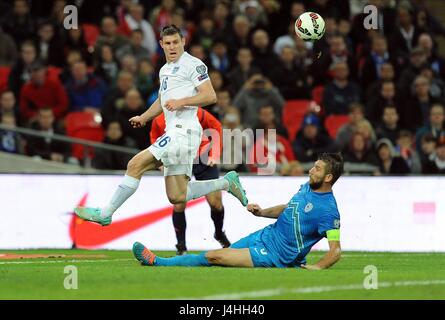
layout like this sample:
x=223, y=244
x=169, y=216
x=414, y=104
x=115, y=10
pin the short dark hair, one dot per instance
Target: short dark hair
x=334, y=164
x=171, y=30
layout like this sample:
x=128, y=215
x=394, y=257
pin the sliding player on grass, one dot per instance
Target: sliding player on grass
x=310, y=215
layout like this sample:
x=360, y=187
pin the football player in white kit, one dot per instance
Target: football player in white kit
x=184, y=85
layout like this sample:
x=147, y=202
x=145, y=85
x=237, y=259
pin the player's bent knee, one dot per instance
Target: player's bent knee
x=180, y=207
x=176, y=199
x=215, y=257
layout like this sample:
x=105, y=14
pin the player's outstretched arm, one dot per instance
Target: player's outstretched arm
x=329, y=259
x=206, y=95
x=152, y=112
x=272, y=212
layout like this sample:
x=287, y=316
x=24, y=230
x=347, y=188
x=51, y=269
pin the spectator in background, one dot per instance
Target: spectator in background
x=115, y=99
x=437, y=86
x=86, y=91
x=110, y=36
x=10, y=141
x=263, y=56
x=47, y=148
x=219, y=57
x=386, y=97
x=239, y=38
x=436, y=62
x=341, y=92
x=365, y=127
x=344, y=134
x=311, y=140
x=232, y=158
x=239, y=75
x=417, y=109
x=370, y=71
x=197, y=50
x=404, y=37
x=145, y=76
x=42, y=92
x=435, y=126
x=427, y=150
x=303, y=57
x=135, y=20
x=292, y=168
x=129, y=63
x=417, y=61
x=359, y=151
x=436, y=163
x=389, y=162
x=290, y=78
x=134, y=106
x=270, y=152
x=19, y=23
x=135, y=47
x=72, y=57
x=267, y=119
x=257, y=91
x=405, y=149
x=223, y=103
x=206, y=33
x=49, y=45
x=107, y=66
x=8, y=104
x=112, y=160
x=323, y=69
x=75, y=40
x=8, y=49
x=161, y=15
x=254, y=13
x=386, y=74
x=217, y=79
x=20, y=72
x=389, y=125
x=221, y=16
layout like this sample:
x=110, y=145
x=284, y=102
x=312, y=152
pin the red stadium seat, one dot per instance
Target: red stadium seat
x=335, y=122
x=91, y=33
x=293, y=114
x=4, y=75
x=83, y=125
x=317, y=94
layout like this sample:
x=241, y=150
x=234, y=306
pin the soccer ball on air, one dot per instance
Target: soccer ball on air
x=310, y=26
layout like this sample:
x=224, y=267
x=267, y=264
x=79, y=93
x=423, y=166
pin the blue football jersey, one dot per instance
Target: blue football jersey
x=301, y=225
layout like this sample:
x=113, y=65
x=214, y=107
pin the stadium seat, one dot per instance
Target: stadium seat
x=293, y=114
x=4, y=75
x=83, y=125
x=91, y=33
x=335, y=122
x=317, y=94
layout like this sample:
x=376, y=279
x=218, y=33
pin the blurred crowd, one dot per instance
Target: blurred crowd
x=387, y=84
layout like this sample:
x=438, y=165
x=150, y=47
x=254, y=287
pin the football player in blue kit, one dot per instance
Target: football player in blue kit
x=309, y=216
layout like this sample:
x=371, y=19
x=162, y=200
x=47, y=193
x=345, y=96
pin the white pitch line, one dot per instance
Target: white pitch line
x=63, y=261
x=281, y=291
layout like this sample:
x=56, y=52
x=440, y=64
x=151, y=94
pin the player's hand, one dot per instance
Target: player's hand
x=137, y=122
x=255, y=209
x=173, y=105
x=212, y=162
x=310, y=267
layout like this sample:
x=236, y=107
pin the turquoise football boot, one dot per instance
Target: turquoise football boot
x=235, y=187
x=92, y=215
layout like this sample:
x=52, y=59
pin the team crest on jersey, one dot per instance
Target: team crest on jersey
x=175, y=69
x=201, y=69
x=308, y=207
x=337, y=223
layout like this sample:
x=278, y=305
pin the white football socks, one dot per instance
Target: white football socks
x=196, y=189
x=124, y=191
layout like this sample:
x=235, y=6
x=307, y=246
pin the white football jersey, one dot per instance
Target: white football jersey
x=179, y=80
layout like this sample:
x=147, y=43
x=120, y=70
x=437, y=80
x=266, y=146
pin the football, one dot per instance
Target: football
x=310, y=26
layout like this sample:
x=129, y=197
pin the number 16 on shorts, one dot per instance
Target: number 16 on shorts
x=162, y=141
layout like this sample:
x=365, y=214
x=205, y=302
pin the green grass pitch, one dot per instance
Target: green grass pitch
x=119, y=276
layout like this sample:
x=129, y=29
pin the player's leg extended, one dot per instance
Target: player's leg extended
x=223, y=257
x=230, y=182
x=214, y=200
x=180, y=225
x=143, y=161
